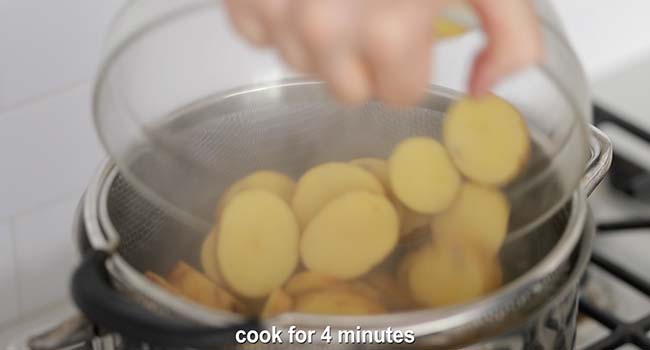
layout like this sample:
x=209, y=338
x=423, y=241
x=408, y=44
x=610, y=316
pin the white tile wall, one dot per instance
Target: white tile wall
x=49, y=149
x=49, y=51
x=47, y=45
x=45, y=254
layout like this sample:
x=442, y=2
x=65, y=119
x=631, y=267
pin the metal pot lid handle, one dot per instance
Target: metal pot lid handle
x=599, y=162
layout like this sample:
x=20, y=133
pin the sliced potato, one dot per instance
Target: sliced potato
x=197, y=287
x=364, y=289
x=337, y=302
x=277, y=303
x=487, y=139
x=404, y=267
x=257, y=246
x=325, y=182
x=162, y=283
x=309, y=281
x=379, y=168
x=412, y=221
x=422, y=175
x=350, y=235
x=209, y=258
x=480, y=215
x=446, y=274
x=493, y=273
x=447, y=28
x=393, y=296
x=271, y=181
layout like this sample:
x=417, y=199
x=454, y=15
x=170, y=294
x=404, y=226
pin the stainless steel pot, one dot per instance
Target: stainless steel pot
x=120, y=231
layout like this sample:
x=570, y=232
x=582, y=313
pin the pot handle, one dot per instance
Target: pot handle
x=599, y=162
x=95, y=296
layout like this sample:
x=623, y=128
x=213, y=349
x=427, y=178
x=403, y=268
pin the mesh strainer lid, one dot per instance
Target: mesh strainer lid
x=185, y=108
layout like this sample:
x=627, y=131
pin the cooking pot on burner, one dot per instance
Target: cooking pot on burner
x=183, y=107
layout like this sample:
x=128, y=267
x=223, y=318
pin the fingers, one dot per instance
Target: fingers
x=245, y=20
x=382, y=48
x=361, y=48
x=368, y=48
x=328, y=35
x=396, y=42
x=514, y=42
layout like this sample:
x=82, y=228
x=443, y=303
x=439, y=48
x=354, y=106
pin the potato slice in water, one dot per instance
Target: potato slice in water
x=257, y=246
x=309, y=281
x=487, y=138
x=337, y=302
x=277, y=303
x=325, y=182
x=350, y=235
x=271, y=181
x=209, y=258
x=422, y=175
x=446, y=274
x=197, y=287
x=480, y=215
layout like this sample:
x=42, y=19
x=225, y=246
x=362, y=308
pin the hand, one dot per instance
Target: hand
x=382, y=48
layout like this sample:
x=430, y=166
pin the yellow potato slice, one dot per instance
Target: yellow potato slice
x=404, y=267
x=257, y=246
x=446, y=274
x=494, y=275
x=209, y=258
x=446, y=28
x=198, y=288
x=325, y=182
x=271, y=181
x=392, y=295
x=337, y=302
x=422, y=175
x=350, y=235
x=480, y=215
x=379, y=168
x=364, y=289
x=277, y=303
x=412, y=221
x=309, y=281
x=487, y=138
x=162, y=283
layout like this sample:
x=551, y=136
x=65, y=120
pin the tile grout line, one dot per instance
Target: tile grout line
x=4, y=110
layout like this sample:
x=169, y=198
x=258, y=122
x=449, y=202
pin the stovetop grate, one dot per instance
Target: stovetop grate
x=624, y=176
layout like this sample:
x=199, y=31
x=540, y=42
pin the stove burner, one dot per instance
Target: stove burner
x=634, y=181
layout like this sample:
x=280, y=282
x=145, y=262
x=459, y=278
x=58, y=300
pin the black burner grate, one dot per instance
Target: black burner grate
x=625, y=177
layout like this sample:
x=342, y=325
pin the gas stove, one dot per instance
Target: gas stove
x=615, y=301
x=615, y=298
